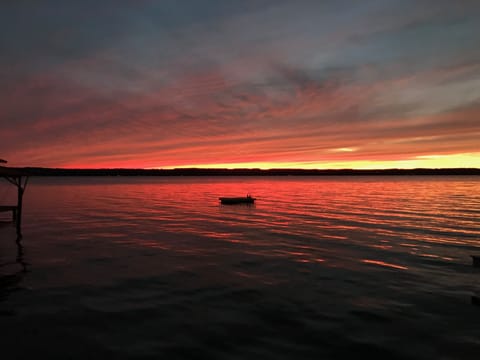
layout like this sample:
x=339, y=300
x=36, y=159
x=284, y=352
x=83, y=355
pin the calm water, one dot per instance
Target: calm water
x=318, y=268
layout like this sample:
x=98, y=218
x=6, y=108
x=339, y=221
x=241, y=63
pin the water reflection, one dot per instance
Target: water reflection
x=143, y=263
x=337, y=218
x=10, y=281
x=20, y=254
x=384, y=264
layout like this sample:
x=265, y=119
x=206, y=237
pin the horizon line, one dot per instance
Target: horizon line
x=239, y=168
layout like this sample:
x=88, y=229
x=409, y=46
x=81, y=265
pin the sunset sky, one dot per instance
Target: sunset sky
x=224, y=83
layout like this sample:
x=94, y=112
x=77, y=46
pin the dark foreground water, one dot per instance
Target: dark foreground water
x=318, y=268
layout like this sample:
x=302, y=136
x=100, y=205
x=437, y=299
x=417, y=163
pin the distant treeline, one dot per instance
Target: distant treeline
x=34, y=171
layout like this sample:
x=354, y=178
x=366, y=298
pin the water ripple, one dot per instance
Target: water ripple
x=316, y=268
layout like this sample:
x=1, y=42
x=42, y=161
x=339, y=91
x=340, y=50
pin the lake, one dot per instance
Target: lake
x=318, y=267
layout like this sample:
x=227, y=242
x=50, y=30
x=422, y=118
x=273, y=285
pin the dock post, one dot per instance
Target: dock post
x=18, y=219
x=475, y=260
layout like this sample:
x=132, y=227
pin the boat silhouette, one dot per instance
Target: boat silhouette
x=237, y=200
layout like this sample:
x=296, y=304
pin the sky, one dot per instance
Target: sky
x=240, y=84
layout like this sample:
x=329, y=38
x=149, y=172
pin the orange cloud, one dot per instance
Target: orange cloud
x=203, y=117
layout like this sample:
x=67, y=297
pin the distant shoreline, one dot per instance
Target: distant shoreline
x=35, y=171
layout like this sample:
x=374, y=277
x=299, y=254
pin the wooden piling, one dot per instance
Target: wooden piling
x=20, y=191
x=475, y=260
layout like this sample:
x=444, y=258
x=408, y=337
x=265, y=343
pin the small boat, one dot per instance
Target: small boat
x=237, y=200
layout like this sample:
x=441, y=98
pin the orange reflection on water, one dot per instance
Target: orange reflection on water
x=385, y=264
x=301, y=219
x=433, y=256
x=383, y=247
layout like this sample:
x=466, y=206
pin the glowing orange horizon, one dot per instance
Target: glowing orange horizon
x=470, y=160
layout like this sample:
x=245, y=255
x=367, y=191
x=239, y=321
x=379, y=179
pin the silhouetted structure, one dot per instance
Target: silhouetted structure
x=18, y=178
x=475, y=260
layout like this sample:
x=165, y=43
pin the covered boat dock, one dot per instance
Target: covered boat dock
x=18, y=178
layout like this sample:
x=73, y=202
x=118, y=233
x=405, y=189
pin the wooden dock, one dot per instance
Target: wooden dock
x=12, y=208
x=18, y=178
